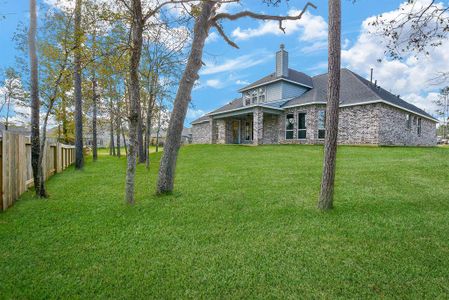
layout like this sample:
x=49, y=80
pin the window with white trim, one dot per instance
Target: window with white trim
x=419, y=126
x=246, y=98
x=408, y=119
x=248, y=131
x=302, y=128
x=254, y=97
x=257, y=95
x=289, y=126
x=321, y=124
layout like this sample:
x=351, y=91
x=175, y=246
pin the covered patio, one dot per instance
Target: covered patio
x=250, y=125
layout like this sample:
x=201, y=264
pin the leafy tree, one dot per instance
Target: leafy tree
x=13, y=95
x=206, y=16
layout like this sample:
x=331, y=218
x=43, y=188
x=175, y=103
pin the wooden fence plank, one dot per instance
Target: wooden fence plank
x=16, y=174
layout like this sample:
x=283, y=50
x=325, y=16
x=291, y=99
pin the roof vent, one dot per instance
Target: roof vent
x=282, y=62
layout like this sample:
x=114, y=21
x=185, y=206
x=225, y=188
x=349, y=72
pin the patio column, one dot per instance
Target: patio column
x=258, y=126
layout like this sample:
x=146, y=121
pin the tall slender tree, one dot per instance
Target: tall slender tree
x=35, y=104
x=325, y=201
x=79, y=157
x=206, y=16
x=94, y=101
x=137, y=24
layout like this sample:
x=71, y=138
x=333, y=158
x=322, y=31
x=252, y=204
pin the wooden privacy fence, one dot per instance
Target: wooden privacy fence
x=16, y=174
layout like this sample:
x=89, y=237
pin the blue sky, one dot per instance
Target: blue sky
x=228, y=69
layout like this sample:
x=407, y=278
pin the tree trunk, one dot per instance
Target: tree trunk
x=140, y=136
x=64, y=119
x=35, y=104
x=79, y=159
x=333, y=90
x=149, y=115
x=118, y=135
x=124, y=138
x=134, y=100
x=182, y=99
x=94, y=118
x=158, y=131
x=148, y=139
x=42, y=189
x=111, y=133
x=94, y=104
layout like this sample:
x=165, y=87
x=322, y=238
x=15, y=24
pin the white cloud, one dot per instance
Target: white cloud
x=346, y=44
x=410, y=77
x=316, y=46
x=242, y=82
x=310, y=27
x=213, y=36
x=239, y=63
x=319, y=67
x=214, y=83
x=194, y=113
x=229, y=7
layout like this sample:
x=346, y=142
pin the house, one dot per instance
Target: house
x=186, y=136
x=288, y=107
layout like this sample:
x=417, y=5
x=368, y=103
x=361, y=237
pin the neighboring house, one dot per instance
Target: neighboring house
x=288, y=107
x=186, y=136
x=103, y=134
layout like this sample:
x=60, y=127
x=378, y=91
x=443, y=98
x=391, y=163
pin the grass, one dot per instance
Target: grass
x=242, y=223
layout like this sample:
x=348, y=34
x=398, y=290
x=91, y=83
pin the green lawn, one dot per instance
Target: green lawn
x=241, y=224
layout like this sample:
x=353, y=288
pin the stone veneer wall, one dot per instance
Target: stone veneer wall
x=311, y=124
x=201, y=133
x=375, y=124
x=219, y=131
x=258, y=119
x=357, y=125
x=395, y=131
x=270, y=129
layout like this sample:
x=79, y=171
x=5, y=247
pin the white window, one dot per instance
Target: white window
x=248, y=131
x=247, y=98
x=254, y=96
x=302, y=128
x=321, y=124
x=419, y=126
x=408, y=118
x=289, y=126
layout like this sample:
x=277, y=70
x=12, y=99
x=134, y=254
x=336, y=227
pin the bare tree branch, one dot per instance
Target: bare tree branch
x=223, y=35
x=250, y=14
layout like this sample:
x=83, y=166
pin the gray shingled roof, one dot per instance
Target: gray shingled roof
x=293, y=75
x=202, y=119
x=234, y=104
x=354, y=90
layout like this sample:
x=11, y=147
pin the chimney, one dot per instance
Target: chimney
x=282, y=62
